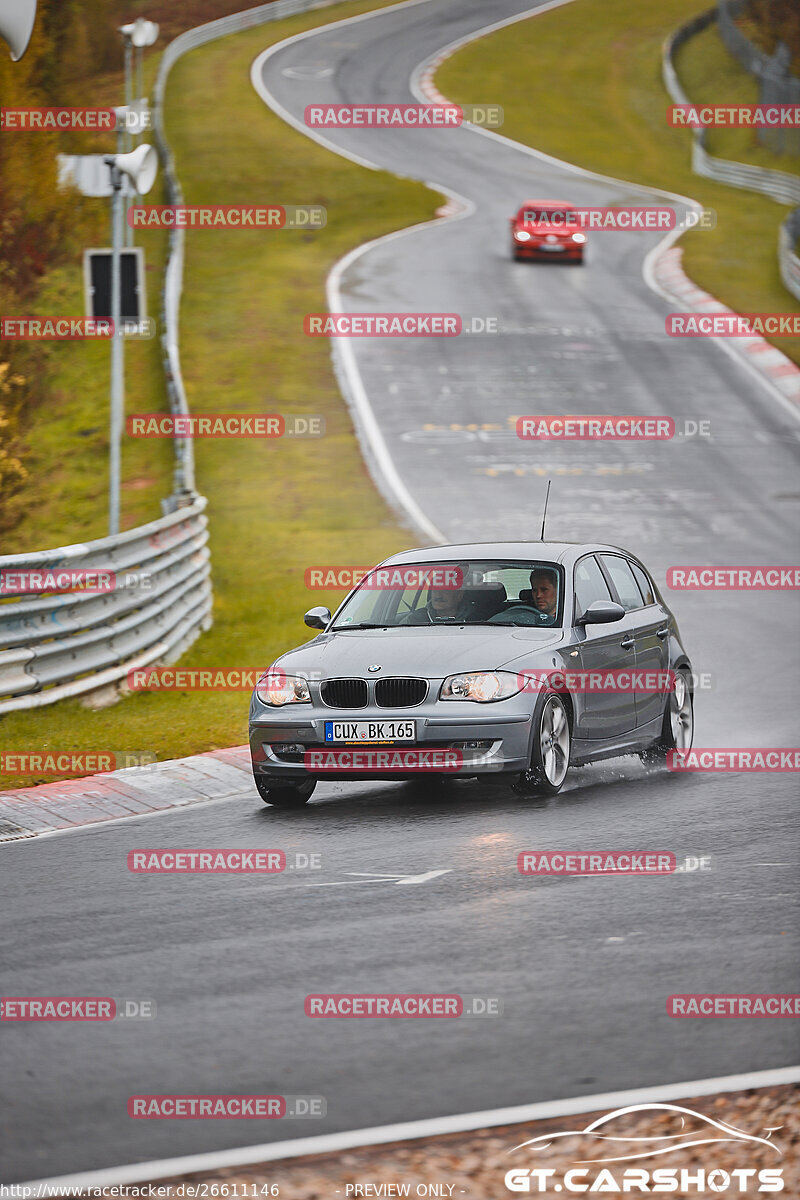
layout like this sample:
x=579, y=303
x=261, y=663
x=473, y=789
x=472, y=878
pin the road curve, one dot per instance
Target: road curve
x=583, y=967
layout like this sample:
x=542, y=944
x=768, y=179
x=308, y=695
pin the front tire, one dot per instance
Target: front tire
x=552, y=743
x=284, y=797
x=677, y=727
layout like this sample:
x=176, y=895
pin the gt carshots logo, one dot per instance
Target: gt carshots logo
x=686, y=1131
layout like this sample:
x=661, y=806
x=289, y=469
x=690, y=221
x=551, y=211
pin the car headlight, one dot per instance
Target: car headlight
x=277, y=689
x=522, y=235
x=481, y=686
x=579, y=237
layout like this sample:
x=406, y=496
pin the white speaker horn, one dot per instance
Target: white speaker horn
x=140, y=166
x=17, y=19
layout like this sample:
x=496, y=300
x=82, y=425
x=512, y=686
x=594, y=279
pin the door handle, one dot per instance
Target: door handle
x=662, y=633
x=626, y=643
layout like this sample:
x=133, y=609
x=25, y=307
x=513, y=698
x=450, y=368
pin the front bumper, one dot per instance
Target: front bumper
x=503, y=729
x=570, y=251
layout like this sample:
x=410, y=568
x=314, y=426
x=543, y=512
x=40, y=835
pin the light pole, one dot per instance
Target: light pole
x=138, y=33
x=17, y=18
x=140, y=166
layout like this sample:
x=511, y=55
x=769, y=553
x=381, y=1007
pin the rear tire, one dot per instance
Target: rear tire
x=677, y=727
x=284, y=797
x=552, y=744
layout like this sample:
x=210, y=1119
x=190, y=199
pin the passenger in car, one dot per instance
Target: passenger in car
x=442, y=605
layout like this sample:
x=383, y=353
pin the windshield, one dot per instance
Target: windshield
x=546, y=216
x=486, y=592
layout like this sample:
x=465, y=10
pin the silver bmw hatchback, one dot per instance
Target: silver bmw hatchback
x=510, y=661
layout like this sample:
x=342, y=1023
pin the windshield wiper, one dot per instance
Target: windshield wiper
x=361, y=625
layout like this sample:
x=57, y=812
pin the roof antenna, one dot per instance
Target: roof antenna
x=544, y=514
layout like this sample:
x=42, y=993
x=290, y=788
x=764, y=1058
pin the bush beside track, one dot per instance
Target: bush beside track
x=583, y=83
x=275, y=507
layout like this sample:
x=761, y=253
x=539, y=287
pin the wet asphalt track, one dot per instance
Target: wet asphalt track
x=582, y=967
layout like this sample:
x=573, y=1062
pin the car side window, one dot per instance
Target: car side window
x=590, y=584
x=622, y=576
x=645, y=586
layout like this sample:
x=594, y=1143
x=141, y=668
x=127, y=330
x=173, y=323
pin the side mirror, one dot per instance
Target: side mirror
x=317, y=618
x=601, y=612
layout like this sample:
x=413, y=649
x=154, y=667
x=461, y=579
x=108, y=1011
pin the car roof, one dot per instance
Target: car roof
x=547, y=204
x=558, y=552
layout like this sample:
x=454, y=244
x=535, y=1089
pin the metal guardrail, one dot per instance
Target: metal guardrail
x=776, y=83
x=788, y=261
x=779, y=185
x=62, y=645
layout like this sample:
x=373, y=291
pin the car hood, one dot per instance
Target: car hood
x=425, y=651
x=543, y=230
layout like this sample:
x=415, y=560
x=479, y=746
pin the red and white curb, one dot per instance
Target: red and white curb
x=133, y=792
x=770, y=362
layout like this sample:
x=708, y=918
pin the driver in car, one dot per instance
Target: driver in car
x=544, y=591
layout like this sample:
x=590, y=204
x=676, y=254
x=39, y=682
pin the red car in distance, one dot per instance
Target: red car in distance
x=545, y=229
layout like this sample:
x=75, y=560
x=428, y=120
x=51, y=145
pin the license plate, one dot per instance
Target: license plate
x=370, y=731
x=550, y=248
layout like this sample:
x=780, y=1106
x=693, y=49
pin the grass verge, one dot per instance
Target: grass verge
x=275, y=507
x=583, y=83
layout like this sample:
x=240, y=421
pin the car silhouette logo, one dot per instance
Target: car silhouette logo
x=691, y=1129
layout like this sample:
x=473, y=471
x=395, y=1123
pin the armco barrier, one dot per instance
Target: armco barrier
x=70, y=644
x=788, y=262
x=776, y=84
x=778, y=184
